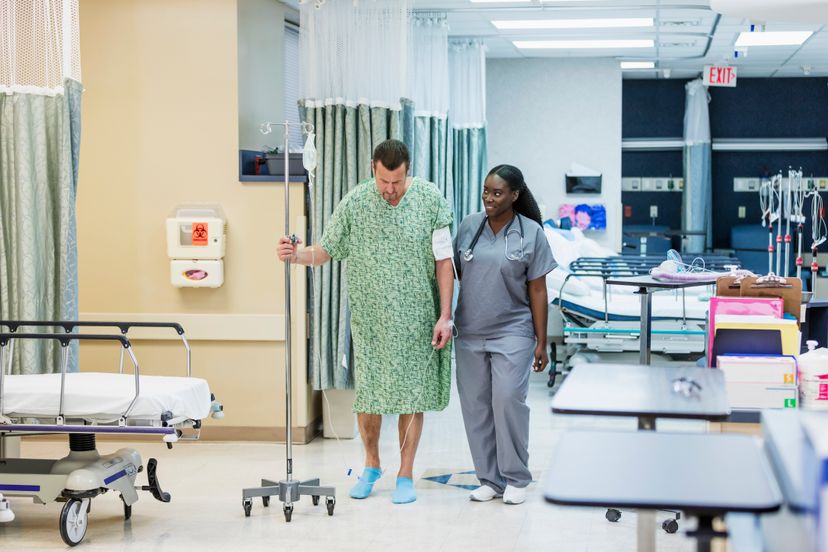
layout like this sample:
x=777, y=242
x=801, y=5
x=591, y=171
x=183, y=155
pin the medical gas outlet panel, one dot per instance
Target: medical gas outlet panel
x=652, y=184
x=196, y=244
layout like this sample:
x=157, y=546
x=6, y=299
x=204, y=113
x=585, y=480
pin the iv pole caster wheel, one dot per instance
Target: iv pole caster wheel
x=330, y=502
x=266, y=501
x=288, y=512
x=670, y=526
x=613, y=515
x=247, y=504
x=73, y=521
x=315, y=499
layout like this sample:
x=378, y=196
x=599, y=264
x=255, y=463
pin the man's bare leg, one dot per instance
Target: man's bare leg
x=369, y=431
x=411, y=428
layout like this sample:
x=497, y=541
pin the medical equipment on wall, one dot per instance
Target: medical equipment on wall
x=513, y=255
x=83, y=405
x=196, y=245
x=290, y=490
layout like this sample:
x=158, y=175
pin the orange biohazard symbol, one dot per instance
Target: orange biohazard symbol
x=199, y=233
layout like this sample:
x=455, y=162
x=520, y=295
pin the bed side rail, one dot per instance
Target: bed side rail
x=70, y=325
x=65, y=339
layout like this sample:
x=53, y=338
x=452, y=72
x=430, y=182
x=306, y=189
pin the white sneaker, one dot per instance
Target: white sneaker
x=514, y=495
x=484, y=493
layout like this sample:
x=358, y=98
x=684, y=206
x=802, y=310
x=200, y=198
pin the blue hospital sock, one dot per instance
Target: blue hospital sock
x=404, y=492
x=366, y=482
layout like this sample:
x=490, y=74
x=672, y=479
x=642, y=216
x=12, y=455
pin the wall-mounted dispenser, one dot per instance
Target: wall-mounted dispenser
x=195, y=245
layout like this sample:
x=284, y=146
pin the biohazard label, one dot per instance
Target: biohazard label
x=789, y=378
x=199, y=233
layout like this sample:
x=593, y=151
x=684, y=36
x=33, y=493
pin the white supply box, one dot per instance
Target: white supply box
x=761, y=395
x=815, y=471
x=760, y=381
x=777, y=370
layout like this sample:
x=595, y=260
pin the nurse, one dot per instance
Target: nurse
x=503, y=257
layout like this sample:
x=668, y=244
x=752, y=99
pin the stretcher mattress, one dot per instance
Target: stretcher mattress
x=105, y=397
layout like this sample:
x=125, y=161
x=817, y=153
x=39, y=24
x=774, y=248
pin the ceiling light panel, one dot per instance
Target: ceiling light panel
x=773, y=38
x=574, y=23
x=637, y=65
x=581, y=44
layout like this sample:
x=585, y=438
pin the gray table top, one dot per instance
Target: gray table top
x=633, y=390
x=701, y=474
x=650, y=282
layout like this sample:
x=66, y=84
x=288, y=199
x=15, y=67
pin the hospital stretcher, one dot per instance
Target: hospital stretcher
x=83, y=405
x=599, y=319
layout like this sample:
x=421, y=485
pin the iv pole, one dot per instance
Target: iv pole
x=288, y=490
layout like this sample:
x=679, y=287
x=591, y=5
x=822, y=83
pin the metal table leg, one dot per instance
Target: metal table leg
x=645, y=335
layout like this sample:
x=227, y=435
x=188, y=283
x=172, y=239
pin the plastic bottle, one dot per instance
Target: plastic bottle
x=813, y=377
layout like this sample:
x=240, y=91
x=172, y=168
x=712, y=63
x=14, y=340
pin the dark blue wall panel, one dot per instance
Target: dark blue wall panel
x=756, y=108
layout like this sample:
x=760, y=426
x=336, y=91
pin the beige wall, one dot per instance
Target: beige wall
x=161, y=127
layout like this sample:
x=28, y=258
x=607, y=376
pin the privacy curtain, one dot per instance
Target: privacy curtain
x=40, y=100
x=698, y=186
x=467, y=115
x=428, y=90
x=354, y=63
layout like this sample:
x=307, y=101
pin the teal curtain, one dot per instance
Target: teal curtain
x=469, y=169
x=698, y=196
x=345, y=141
x=431, y=154
x=39, y=148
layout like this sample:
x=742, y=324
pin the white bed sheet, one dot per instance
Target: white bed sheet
x=105, y=397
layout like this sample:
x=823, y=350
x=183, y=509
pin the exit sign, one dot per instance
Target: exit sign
x=719, y=76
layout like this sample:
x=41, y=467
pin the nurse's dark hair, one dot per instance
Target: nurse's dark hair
x=392, y=154
x=525, y=204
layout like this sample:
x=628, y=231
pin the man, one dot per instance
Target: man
x=400, y=283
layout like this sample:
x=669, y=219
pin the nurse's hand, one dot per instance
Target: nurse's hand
x=442, y=333
x=541, y=358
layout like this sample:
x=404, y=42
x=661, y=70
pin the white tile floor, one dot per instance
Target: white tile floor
x=205, y=480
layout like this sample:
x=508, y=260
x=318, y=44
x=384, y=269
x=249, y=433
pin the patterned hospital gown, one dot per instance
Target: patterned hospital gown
x=393, y=295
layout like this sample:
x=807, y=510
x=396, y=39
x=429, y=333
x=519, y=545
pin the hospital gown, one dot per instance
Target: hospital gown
x=393, y=296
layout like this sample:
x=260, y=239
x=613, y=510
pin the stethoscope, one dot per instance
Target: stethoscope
x=468, y=255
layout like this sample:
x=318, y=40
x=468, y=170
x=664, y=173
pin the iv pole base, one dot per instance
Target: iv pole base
x=288, y=493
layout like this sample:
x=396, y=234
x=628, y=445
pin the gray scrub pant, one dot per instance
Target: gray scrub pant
x=492, y=380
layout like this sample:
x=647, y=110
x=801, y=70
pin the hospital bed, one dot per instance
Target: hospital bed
x=83, y=405
x=605, y=319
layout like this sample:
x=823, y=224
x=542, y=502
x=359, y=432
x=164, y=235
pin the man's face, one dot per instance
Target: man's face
x=390, y=184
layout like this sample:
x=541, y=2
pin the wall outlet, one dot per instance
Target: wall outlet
x=742, y=212
x=630, y=184
x=653, y=211
x=746, y=184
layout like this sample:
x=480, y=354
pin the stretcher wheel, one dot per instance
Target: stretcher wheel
x=127, y=509
x=330, y=502
x=247, y=504
x=288, y=512
x=553, y=371
x=315, y=499
x=73, y=522
x=613, y=515
x=670, y=525
x=266, y=501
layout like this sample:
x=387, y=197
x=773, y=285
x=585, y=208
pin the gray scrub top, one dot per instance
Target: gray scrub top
x=494, y=292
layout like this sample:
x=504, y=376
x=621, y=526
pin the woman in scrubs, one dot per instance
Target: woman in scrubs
x=502, y=257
